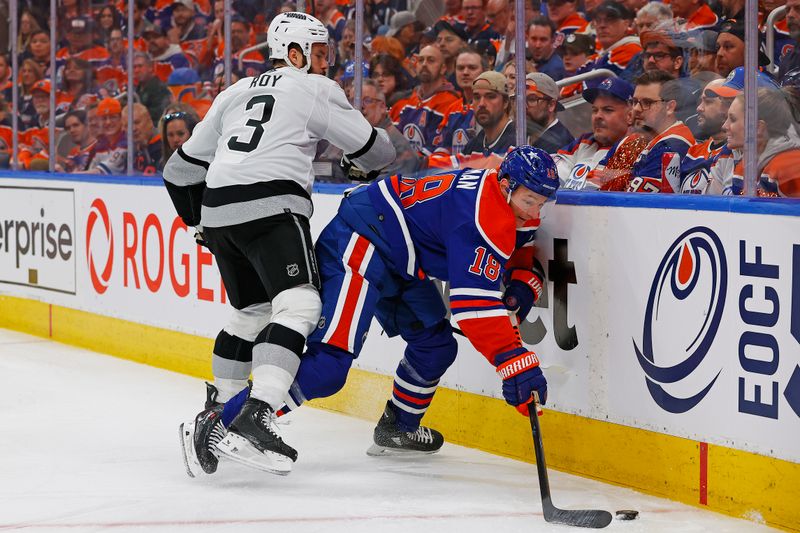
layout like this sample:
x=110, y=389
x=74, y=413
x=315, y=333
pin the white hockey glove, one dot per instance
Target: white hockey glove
x=353, y=172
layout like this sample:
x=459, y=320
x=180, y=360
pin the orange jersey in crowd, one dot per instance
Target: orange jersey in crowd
x=658, y=167
x=574, y=23
x=95, y=55
x=779, y=178
x=420, y=119
x=702, y=19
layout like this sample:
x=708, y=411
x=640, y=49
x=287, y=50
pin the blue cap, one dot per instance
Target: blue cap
x=616, y=87
x=183, y=76
x=350, y=70
x=734, y=84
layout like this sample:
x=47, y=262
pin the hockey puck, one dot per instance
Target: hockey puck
x=627, y=514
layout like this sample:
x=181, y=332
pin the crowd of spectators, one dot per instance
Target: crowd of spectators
x=440, y=77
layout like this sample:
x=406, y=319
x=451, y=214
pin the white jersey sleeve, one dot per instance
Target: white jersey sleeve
x=347, y=128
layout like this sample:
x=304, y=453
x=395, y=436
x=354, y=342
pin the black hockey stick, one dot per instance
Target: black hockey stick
x=580, y=517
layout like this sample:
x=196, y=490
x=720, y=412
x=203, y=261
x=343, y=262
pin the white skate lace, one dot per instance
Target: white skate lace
x=217, y=434
x=268, y=421
x=422, y=434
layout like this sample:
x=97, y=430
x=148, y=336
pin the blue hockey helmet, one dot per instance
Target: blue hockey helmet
x=532, y=168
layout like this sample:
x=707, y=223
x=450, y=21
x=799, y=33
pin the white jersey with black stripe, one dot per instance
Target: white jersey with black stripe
x=254, y=148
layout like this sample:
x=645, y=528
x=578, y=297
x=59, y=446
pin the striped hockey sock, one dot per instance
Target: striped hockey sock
x=411, y=395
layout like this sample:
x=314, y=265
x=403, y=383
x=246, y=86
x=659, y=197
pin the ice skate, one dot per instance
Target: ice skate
x=388, y=439
x=253, y=440
x=200, y=436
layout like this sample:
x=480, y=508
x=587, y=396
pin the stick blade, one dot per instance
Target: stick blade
x=590, y=518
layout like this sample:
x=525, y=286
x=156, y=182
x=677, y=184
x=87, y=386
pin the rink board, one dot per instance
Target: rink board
x=713, y=285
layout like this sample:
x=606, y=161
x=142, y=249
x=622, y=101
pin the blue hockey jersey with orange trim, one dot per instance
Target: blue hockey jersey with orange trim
x=456, y=227
x=657, y=169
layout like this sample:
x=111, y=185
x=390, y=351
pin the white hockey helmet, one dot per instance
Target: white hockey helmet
x=294, y=27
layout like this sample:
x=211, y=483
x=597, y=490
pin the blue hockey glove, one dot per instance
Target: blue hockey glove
x=523, y=290
x=521, y=375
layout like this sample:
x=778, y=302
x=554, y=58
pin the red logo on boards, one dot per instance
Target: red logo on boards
x=98, y=211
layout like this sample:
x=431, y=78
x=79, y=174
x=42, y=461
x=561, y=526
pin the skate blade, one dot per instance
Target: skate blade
x=193, y=468
x=377, y=450
x=240, y=450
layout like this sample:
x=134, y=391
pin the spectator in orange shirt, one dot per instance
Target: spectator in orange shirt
x=35, y=138
x=564, y=14
x=694, y=15
x=79, y=39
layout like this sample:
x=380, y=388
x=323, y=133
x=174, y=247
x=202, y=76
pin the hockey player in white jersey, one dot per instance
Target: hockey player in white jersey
x=244, y=178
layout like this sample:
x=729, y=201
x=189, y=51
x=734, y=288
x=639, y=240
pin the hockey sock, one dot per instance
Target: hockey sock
x=276, y=358
x=231, y=364
x=411, y=396
x=234, y=405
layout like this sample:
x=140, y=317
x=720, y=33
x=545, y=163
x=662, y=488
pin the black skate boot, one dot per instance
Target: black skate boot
x=199, y=438
x=389, y=439
x=253, y=440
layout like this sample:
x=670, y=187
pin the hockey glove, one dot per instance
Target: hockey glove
x=353, y=172
x=198, y=236
x=523, y=290
x=521, y=375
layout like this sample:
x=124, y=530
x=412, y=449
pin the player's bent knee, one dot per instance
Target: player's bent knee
x=297, y=308
x=248, y=322
x=323, y=370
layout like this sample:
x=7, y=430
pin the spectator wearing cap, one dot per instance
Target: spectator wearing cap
x=541, y=107
x=450, y=39
x=564, y=14
x=184, y=30
x=492, y=106
x=790, y=61
x=152, y=92
x=475, y=25
x=146, y=141
x=405, y=27
x=576, y=50
x=458, y=126
x=111, y=151
x=35, y=137
x=333, y=19
x=654, y=104
x=652, y=16
x=166, y=56
x=252, y=63
x=420, y=115
x=79, y=39
x=540, y=39
x=693, y=15
x=610, y=122
x=613, y=25
x=702, y=53
x=712, y=111
x=660, y=52
x=81, y=140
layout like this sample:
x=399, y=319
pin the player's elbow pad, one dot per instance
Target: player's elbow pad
x=376, y=154
x=187, y=201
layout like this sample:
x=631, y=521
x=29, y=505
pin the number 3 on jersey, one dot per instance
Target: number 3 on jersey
x=257, y=124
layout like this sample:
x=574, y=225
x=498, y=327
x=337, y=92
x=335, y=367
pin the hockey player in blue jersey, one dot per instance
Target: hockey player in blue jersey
x=377, y=257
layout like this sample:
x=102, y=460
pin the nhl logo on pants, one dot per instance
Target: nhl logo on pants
x=292, y=270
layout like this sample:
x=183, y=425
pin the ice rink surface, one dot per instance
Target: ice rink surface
x=90, y=443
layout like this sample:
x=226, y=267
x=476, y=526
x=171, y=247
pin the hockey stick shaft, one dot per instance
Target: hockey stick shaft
x=580, y=518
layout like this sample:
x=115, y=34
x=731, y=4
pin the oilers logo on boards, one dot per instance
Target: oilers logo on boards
x=683, y=314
